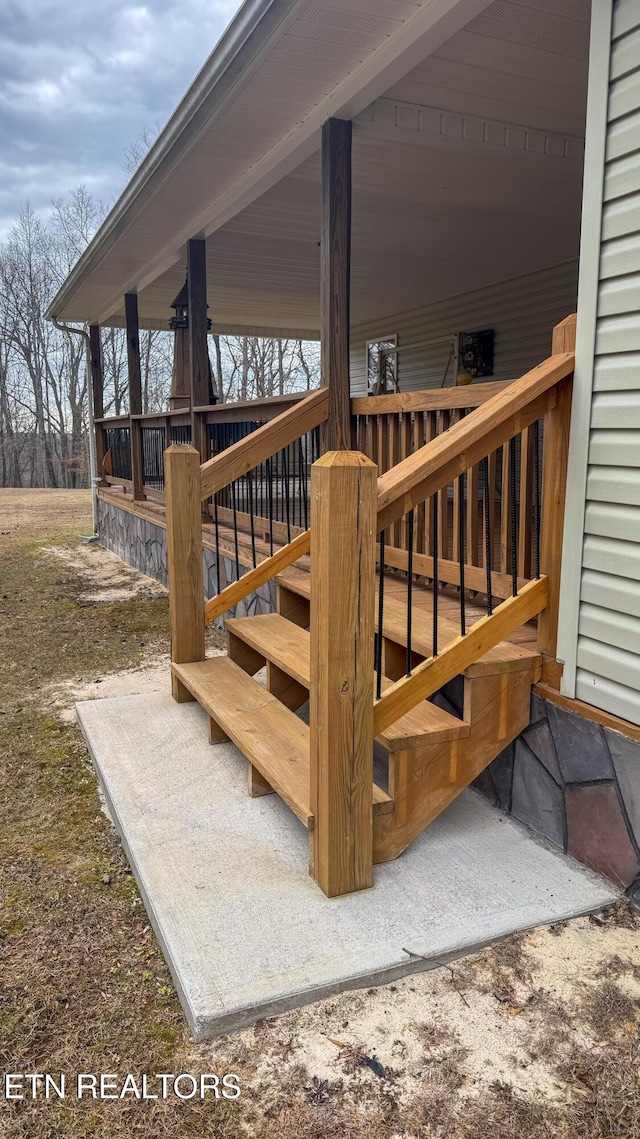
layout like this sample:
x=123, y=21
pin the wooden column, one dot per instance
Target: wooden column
x=184, y=559
x=97, y=394
x=343, y=525
x=197, y=334
x=557, y=426
x=335, y=277
x=135, y=391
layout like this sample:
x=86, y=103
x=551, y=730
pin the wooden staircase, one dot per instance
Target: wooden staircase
x=423, y=760
x=384, y=748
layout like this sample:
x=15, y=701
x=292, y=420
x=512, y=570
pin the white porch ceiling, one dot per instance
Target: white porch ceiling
x=467, y=170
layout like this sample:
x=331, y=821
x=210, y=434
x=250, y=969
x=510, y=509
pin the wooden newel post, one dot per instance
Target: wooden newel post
x=343, y=528
x=184, y=559
x=557, y=426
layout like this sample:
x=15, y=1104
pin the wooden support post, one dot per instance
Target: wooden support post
x=198, y=350
x=184, y=556
x=343, y=529
x=135, y=392
x=557, y=425
x=336, y=281
x=97, y=395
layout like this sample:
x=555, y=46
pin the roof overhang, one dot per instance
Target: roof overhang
x=252, y=117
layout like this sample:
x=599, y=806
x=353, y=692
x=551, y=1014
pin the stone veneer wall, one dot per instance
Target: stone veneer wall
x=143, y=545
x=578, y=785
x=573, y=782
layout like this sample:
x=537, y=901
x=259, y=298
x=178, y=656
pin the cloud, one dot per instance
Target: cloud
x=78, y=81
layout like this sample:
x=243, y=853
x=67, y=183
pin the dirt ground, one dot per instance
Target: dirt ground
x=534, y=1037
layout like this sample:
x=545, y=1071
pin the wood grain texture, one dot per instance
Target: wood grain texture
x=335, y=281
x=287, y=649
x=474, y=437
x=184, y=558
x=267, y=733
x=472, y=395
x=343, y=517
x=272, y=738
x=260, y=445
x=557, y=427
x=264, y=572
x=422, y=782
x=434, y=672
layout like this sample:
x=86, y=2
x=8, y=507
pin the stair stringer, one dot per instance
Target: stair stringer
x=422, y=782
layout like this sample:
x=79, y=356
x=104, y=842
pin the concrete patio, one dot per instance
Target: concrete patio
x=224, y=878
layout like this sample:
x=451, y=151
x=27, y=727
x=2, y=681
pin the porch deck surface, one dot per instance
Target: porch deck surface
x=224, y=878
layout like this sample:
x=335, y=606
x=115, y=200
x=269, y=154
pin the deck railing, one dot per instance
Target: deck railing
x=131, y=448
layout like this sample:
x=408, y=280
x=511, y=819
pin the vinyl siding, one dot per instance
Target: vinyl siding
x=608, y=649
x=522, y=313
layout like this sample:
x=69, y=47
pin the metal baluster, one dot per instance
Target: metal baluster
x=251, y=517
x=434, y=540
x=287, y=490
x=462, y=536
x=304, y=493
x=514, y=516
x=270, y=501
x=380, y=621
x=487, y=533
x=217, y=531
x=235, y=529
x=410, y=527
x=536, y=494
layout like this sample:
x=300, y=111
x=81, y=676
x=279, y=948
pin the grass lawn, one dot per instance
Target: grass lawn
x=534, y=1038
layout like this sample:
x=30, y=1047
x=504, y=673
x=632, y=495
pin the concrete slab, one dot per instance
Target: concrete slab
x=224, y=878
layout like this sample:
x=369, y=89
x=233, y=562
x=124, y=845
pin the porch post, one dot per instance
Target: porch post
x=343, y=525
x=184, y=560
x=97, y=395
x=335, y=277
x=197, y=333
x=555, y=460
x=135, y=391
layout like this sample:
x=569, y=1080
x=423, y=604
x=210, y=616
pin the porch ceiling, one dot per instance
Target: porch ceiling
x=467, y=170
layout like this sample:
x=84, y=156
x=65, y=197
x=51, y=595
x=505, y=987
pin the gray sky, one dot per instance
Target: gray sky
x=80, y=78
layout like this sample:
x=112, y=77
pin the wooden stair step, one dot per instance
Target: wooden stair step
x=505, y=657
x=288, y=647
x=272, y=738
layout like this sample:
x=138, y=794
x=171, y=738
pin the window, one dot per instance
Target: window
x=382, y=366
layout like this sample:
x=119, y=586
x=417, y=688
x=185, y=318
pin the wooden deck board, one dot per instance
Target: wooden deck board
x=287, y=646
x=272, y=738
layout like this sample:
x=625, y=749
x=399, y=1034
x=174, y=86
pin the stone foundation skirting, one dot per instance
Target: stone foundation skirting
x=577, y=785
x=571, y=781
x=142, y=544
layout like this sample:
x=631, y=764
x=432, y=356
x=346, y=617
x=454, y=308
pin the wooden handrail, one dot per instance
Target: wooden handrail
x=256, y=577
x=429, y=676
x=250, y=410
x=261, y=444
x=472, y=395
x=480, y=433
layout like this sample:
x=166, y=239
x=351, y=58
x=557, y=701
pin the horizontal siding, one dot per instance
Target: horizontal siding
x=611, y=520
x=608, y=655
x=611, y=592
x=616, y=698
x=522, y=313
x=609, y=628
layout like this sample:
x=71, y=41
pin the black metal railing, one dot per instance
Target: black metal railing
x=117, y=444
x=267, y=506
x=154, y=444
x=452, y=585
